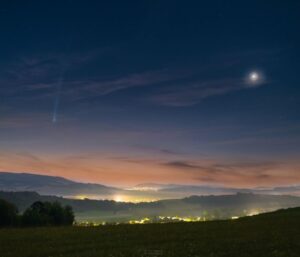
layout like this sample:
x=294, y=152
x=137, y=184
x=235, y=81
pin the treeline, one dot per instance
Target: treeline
x=38, y=214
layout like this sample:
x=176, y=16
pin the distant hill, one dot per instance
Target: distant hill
x=204, y=190
x=24, y=199
x=181, y=190
x=49, y=185
x=211, y=207
x=281, y=213
x=58, y=186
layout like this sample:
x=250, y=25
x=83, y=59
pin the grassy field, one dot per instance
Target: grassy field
x=276, y=234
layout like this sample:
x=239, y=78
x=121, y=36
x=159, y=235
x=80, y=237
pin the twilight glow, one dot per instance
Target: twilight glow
x=130, y=95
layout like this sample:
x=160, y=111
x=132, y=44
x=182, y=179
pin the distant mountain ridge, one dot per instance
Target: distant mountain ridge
x=49, y=185
x=212, y=207
x=59, y=186
x=216, y=190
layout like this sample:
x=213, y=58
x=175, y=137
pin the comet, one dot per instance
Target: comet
x=57, y=98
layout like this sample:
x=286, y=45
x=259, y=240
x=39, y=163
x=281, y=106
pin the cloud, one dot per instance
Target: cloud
x=214, y=172
x=109, y=168
x=236, y=173
x=85, y=89
x=167, y=91
x=183, y=164
x=216, y=167
x=36, y=77
x=159, y=150
x=191, y=93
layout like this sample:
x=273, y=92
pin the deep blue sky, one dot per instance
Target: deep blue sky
x=124, y=92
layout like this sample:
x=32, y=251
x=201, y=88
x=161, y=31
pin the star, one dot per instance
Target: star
x=254, y=77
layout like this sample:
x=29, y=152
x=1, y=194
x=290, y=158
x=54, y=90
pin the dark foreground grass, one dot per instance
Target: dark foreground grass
x=262, y=236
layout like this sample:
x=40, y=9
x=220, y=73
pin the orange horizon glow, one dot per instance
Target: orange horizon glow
x=128, y=172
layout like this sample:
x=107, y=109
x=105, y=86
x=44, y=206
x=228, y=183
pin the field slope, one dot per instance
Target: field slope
x=272, y=234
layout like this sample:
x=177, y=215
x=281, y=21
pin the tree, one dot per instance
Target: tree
x=48, y=214
x=36, y=215
x=8, y=214
x=69, y=215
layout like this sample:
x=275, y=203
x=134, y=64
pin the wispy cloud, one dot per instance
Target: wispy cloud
x=32, y=78
x=87, y=88
x=218, y=172
x=159, y=150
x=105, y=167
x=37, y=76
x=190, y=93
x=244, y=173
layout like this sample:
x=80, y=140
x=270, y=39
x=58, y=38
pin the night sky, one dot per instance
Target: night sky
x=127, y=92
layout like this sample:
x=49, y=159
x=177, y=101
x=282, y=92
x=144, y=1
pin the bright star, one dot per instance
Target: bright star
x=254, y=76
x=255, y=79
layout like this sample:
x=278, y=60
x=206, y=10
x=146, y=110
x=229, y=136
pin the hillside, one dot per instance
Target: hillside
x=49, y=185
x=208, y=207
x=269, y=235
x=59, y=186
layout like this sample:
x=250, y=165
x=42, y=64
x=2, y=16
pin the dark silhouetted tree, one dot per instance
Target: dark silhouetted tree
x=69, y=215
x=48, y=214
x=8, y=214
